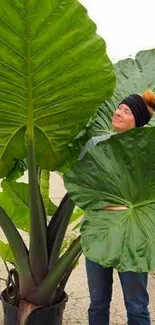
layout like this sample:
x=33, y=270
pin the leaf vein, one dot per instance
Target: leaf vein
x=12, y=48
x=11, y=102
x=13, y=69
x=15, y=31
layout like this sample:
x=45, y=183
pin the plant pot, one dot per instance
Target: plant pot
x=49, y=316
x=10, y=312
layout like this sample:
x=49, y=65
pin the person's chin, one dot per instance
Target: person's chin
x=117, y=127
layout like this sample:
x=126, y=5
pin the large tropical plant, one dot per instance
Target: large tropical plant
x=114, y=182
x=54, y=73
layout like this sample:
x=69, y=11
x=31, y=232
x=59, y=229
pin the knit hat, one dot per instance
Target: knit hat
x=138, y=108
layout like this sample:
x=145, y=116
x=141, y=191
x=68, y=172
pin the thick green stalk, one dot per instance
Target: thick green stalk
x=55, y=223
x=20, y=253
x=60, y=290
x=38, y=230
x=44, y=188
x=46, y=291
x=60, y=233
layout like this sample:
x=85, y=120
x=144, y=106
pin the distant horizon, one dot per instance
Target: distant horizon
x=126, y=26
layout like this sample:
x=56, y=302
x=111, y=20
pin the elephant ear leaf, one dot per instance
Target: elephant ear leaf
x=54, y=65
x=132, y=76
x=114, y=183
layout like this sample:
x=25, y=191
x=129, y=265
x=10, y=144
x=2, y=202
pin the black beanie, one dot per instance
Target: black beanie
x=138, y=108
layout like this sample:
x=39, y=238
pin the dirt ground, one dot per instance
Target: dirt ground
x=76, y=307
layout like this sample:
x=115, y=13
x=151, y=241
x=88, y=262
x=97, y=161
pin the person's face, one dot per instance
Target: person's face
x=123, y=119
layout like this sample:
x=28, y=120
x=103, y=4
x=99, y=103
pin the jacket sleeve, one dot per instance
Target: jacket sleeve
x=92, y=143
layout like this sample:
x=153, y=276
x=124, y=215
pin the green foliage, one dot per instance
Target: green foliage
x=18, y=169
x=15, y=201
x=118, y=172
x=54, y=75
x=6, y=252
x=54, y=65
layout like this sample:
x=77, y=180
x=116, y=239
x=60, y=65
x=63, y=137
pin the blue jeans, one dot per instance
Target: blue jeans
x=134, y=286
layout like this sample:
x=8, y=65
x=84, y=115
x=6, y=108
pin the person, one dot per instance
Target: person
x=148, y=97
x=134, y=111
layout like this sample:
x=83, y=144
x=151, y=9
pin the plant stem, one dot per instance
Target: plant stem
x=65, y=213
x=44, y=187
x=38, y=230
x=47, y=289
x=20, y=253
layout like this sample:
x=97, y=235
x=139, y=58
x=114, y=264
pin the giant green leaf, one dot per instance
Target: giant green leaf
x=132, y=76
x=118, y=172
x=52, y=60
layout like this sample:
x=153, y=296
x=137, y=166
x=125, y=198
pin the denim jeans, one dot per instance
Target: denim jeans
x=134, y=286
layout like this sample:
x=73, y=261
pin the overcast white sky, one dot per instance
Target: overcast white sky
x=127, y=26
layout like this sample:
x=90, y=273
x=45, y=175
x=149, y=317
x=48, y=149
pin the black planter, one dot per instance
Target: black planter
x=49, y=316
